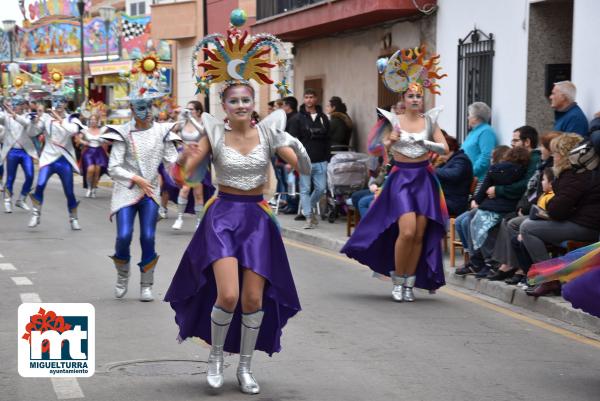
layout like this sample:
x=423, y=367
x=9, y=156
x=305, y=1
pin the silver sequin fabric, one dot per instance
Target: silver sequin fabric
x=138, y=153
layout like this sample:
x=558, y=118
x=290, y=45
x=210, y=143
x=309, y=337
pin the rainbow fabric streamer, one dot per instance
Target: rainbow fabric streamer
x=568, y=267
x=188, y=178
x=443, y=204
x=264, y=205
x=375, y=139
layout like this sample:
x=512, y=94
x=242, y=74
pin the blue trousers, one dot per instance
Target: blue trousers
x=463, y=224
x=364, y=203
x=318, y=177
x=65, y=171
x=148, y=211
x=15, y=158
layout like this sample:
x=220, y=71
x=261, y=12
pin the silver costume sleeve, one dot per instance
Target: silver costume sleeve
x=170, y=156
x=197, y=125
x=281, y=138
x=115, y=163
x=435, y=147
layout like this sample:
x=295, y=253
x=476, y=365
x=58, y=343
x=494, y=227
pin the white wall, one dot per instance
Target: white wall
x=346, y=64
x=585, y=71
x=186, y=84
x=507, y=20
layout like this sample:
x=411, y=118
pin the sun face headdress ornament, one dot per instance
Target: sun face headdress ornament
x=237, y=58
x=409, y=69
x=147, y=80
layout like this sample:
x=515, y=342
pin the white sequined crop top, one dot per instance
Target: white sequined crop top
x=413, y=144
x=249, y=171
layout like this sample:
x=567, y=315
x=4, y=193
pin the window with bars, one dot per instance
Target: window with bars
x=475, y=62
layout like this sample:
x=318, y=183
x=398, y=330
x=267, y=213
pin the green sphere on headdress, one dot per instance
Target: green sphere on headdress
x=238, y=17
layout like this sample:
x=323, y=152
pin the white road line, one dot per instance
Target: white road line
x=21, y=281
x=1, y=256
x=30, y=297
x=66, y=388
x=7, y=266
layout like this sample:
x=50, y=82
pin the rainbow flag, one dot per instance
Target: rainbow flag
x=568, y=267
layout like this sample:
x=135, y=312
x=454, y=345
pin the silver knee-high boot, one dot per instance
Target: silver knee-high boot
x=407, y=290
x=36, y=212
x=398, y=282
x=147, y=280
x=122, y=267
x=219, y=325
x=250, y=327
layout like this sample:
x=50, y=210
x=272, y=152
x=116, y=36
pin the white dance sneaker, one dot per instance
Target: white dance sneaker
x=163, y=213
x=75, y=224
x=178, y=223
x=34, y=221
x=7, y=205
x=146, y=294
x=20, y=203
x=88, y=194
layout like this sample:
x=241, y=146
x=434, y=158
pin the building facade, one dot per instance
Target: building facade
x=336, y=46
x=535, y=43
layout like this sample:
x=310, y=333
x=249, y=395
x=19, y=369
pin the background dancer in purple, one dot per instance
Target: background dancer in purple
x=94, y=160
x=400, y=236
x=237, y=251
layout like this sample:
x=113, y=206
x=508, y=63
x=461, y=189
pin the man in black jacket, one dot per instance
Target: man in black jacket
x=314, y=135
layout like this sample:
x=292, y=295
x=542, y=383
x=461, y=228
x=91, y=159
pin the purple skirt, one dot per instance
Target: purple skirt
x=584, y=292
x=90, y=157
x=172, y=189
x=234, y=226
x=411, y=187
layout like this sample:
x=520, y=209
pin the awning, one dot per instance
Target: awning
x=111, y=67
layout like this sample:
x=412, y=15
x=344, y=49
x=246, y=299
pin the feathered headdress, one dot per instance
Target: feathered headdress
x=146, y=79
x=409, y=69
x=237, y=57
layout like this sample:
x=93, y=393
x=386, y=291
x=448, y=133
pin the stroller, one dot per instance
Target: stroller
x=347, y=172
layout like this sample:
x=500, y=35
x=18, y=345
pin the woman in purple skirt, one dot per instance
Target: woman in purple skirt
x=94, y=160
x=400, y=236
x=237, y=253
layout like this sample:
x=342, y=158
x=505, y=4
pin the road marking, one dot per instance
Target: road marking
x=523, y=318
x=7, y=266
x=465, y=297
x=30, y=297
x=21, y=281
x=1, y=256
x=66, y=388
x=330, y=254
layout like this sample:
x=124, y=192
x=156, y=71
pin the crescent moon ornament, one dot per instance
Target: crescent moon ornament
x=232, y=69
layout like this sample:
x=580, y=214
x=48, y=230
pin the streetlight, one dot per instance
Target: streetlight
x=81, y=8
x=9, y=27
x=107, y=13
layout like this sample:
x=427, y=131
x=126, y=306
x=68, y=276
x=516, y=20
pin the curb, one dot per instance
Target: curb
x=553, y=307
x=320, y=241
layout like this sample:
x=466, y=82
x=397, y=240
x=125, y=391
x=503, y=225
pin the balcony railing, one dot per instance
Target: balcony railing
x=270, y=8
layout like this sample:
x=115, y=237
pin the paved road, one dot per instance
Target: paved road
x=350, y=342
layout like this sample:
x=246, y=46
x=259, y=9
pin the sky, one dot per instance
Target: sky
x=10, y=10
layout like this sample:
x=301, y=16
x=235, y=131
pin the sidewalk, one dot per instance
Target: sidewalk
x=333, y=237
